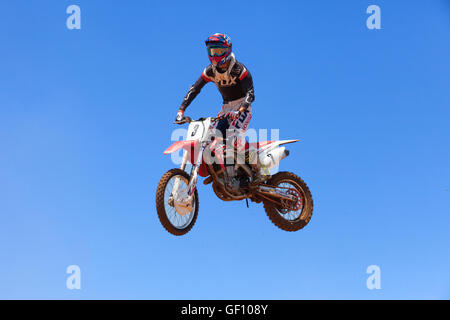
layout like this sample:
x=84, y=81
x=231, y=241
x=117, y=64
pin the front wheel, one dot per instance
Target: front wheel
x=176, y=215
x=290, y=215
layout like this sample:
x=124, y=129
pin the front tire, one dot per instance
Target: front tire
x=299, y=215
x=171, y=220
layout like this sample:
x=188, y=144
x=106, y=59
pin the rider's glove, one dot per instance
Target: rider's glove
x=242, y=109
x=180, y=115
x=233, y=115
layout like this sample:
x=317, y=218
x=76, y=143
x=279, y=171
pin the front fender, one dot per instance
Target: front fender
x=191, y=147
x=188, y=145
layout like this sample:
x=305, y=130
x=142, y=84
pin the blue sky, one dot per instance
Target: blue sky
x=85, y=115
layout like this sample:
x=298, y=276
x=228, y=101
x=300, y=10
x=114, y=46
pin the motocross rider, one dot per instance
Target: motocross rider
x=235, y=84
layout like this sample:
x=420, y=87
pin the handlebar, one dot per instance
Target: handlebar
x=189, y=119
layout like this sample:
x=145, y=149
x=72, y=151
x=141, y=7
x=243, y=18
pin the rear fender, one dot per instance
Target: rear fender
x=281, y=142
x=274, y=144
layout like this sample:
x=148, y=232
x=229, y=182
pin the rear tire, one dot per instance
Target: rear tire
x=162, y=203
x=274, y=212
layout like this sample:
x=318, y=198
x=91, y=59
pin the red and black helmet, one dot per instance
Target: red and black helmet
x=218, y=46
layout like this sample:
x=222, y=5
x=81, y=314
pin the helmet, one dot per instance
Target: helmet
x=219, y=48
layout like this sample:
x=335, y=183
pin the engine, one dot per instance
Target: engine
x=235, y=179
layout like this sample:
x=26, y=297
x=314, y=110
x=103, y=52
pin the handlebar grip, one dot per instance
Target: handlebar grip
x=184, y=120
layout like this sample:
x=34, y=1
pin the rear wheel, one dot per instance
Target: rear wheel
x=290, y=215
x=176, y=219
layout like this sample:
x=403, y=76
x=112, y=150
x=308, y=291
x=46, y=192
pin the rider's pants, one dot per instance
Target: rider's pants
x=235, y=127
x=233, y=131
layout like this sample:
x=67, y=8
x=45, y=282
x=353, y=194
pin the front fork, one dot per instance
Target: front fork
x=194, y=173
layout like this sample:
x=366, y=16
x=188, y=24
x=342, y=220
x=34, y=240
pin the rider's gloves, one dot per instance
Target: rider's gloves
x=233, y=115
x=242, y=109
x=180, y=115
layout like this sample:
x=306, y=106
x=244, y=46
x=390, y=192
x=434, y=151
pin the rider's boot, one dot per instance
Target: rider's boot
x=260, y=172
x=250, y=153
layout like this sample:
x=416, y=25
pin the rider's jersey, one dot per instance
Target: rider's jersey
x=235, y=83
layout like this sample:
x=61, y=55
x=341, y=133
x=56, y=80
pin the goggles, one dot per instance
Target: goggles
x=217, y=51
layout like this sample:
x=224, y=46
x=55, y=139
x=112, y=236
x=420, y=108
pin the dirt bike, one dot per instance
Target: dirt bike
x=285, y=196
